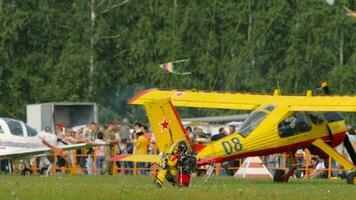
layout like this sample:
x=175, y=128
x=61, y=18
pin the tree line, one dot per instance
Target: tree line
x=107, y=50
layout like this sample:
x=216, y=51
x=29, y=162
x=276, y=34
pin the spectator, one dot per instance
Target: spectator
x=150, y=138
x=152, y=141
x=232, y=163
x=221, y=134
x=44, y=165
x=109, y=137
x=61, y=162
x=125, y=143
x=125, y=134
x=100, y=153
x=91, y=135
x=318, y=170
x=232, y=129
x=126, y=148
x=117, y=131
x=93, y=131
x=190, y=133
x=81, y=160
x=69, y=139
x=141, y=147
x=4, y=166
x=59, y=130
x=138, y=127
x=300, y=158
x=200, y=136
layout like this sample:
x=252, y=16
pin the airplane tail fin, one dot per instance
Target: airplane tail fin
x=166, y=124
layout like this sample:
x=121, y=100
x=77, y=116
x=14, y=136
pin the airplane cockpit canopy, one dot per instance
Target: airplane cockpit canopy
x=254, y=119
x=30, y=131
x=14, y=126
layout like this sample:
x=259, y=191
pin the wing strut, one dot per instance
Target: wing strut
x=334, y=154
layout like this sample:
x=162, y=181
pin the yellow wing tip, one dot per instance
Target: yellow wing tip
x=136, y=98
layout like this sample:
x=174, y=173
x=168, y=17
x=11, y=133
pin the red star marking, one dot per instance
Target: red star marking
x=164, y=125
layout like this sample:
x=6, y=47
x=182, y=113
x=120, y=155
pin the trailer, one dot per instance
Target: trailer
x=45, y=115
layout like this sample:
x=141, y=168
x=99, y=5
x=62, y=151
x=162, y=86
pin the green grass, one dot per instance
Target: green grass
x=142, y=187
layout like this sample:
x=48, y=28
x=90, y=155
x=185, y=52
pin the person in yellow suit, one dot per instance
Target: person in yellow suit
x=181, y=158
x=141, y=147
x=169, y=171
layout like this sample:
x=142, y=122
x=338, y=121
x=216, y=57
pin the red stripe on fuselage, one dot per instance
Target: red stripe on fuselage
x=337, y=139
x=179, y=120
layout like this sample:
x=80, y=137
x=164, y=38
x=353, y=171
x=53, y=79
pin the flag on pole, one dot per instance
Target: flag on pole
x=169, y=67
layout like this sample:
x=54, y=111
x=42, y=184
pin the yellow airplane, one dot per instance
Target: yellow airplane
x=277, y=124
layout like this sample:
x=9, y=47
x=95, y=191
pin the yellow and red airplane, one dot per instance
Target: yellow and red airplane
x=276, y=124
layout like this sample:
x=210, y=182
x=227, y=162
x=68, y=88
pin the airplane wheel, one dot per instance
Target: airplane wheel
x=278, y=176
x=43, y=170
x=351, y=178
x=26, y=172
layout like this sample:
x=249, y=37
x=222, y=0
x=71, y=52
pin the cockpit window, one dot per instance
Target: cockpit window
x=15, y=127
x=315, y=117
x=294, y=125
x=333, y=116
x=30, y=131
x=254, y=119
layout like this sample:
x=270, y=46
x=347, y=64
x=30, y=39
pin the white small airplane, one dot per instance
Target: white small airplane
x=20, y=141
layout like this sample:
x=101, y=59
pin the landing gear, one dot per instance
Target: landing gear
x=26, y=172
x=351, y=178
x=281, y=175
x=289, y=174
x=278, y=176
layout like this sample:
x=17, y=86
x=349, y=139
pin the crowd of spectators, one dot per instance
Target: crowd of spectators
x=124, y=138
x=119, y=137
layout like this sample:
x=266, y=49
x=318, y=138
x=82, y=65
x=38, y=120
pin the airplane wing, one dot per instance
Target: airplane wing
x=137, y=158
x=203, y=99
x=322, y=103
x=242, y=101
x=39, y=151
x=166, y=124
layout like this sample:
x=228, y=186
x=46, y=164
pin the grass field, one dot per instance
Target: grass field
x=142, y=187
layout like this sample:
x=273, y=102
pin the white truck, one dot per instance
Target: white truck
x=45, y=115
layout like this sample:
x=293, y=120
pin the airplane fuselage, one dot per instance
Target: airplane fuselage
x=16, y=136
x=275, y=130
